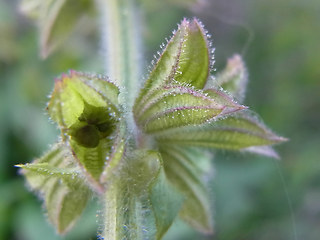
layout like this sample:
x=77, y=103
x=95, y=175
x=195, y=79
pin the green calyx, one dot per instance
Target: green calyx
x=95, y=123
x=82, y=111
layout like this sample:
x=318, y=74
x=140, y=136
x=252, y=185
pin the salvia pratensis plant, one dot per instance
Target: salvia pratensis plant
x=146, y=154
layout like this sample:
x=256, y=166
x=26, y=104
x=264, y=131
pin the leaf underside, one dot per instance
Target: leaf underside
x=234, y=133
x=183, y=168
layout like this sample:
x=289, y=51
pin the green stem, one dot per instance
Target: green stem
x=121, y=42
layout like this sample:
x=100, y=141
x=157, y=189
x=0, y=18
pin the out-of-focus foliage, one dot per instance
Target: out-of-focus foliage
x=56, y=19
x=25, y=81
x=250, y=198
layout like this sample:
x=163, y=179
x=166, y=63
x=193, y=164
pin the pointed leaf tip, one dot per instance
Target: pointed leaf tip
x=238, y=131
x=262, y=150
x=193, y=63
x=178, y=106
x=234, y=77
x=221, y=97
x=58, y=182
x=184, y=61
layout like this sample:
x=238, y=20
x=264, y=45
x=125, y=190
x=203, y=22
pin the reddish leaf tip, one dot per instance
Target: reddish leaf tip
x=241, y=107
x=72, y=72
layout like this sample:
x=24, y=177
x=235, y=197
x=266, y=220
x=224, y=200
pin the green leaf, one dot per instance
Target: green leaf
x=166, y=203
x=36, y=174
x=140, y=203
x=102, y=85
x=236, y=132
x=178, y=106
x=267, y=151
x=234, y=77
x=192, y=66
x=224, y=99
x=59, y=183
x=57, y=20
x=47, y=170
x=185, y=60
x=184, y=168
x=64, y=204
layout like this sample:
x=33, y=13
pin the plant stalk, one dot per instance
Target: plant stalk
x=121, y=43
x=120, y=36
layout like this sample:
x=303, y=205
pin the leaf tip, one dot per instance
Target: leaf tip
x=184, y=22
x=73, y=73
x=279, y=139
x=267, y=151
x=234, y=107
x=19, y=165
x=196, y=23
x=241, y=107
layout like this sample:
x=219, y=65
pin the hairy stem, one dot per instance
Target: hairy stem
x=121, y=43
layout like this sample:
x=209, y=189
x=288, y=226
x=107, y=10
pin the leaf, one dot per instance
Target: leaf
x=184, y=171
x=236, y=132
x=224, y=99
x=234, y=77
x=47, y=170
x=178, y=106
x=262, y=150
x=64, y=204
x=140, y=203
x=192, y=66
x=166, y=203
x=102, y=85
x=57, y=20
x=184, y=60
x=59, y=183
x=55, y=158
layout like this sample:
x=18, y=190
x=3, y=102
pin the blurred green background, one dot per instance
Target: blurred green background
x=254, y=198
